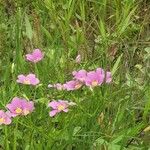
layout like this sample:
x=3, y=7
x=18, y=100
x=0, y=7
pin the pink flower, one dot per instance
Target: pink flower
x=78, y=59
x=108, y=77
x=29, y=79
x=4, y=118
x=80, y=75
x=35, y=56
x=59, y=106
x=94, y=79
x=20, y=106
x=72, y=85
x=105, y=76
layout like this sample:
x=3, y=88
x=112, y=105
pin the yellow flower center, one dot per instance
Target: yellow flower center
x=61, y=107
x=94, y=83
x=18, y=110
x=2, y=120
x=26, y=81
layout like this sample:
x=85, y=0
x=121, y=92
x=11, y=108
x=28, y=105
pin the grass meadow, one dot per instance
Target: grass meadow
x=109, y=34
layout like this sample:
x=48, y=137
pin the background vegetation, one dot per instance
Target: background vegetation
x=112, y=34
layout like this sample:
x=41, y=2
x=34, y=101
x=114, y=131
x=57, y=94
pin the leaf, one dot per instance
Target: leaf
x=116, y=65
x=101, y=118
x=147, y=49
x=140, y=67
x=114, y=147
x=27, y=147
x=76, y=130
x=46, y=32
x=126, y=21
x=18, y=134
x=147, y=129
x=102, y=29
x=100, y=141
x=29, y=32
x=118, y=139
x=41, y=100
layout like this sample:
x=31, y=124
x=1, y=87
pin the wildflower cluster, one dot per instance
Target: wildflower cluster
x=83, y=77
x=22, y=107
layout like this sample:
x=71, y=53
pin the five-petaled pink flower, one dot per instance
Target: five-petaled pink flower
x=72, y=85
x=94, y=79
x=29, y=79
x=35, y=56
x=20, y=106
x=4, y=118
x=59, y=106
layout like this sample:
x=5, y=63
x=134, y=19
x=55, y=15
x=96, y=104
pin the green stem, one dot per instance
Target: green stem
x=15, y=137
x=6, y=134
x=32, y=136
x=36, y=70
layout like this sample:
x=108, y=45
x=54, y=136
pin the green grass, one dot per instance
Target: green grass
x=113, y=34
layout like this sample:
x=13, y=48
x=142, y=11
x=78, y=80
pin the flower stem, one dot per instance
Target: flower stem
x=7, y=143
x=15, y=136
x=36, y=69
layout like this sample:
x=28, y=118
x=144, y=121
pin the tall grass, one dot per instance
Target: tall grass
x=112, y=34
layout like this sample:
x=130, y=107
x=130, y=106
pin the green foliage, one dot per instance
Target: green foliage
x=113, y=34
